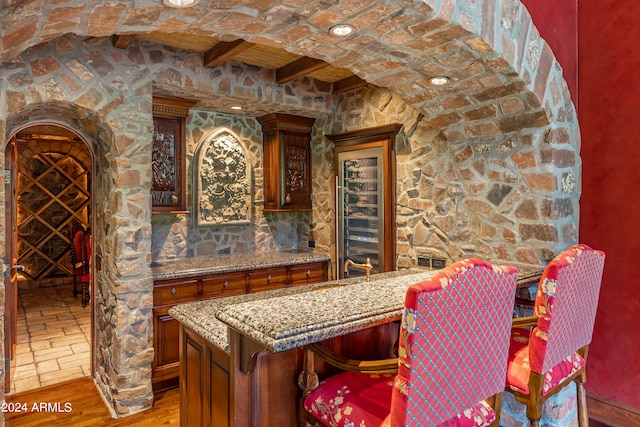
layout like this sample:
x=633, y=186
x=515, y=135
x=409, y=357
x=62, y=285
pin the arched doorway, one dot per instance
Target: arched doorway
x=49, y=197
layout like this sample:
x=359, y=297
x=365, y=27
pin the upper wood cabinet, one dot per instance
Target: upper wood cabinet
x=287, y=162
x=168, y=159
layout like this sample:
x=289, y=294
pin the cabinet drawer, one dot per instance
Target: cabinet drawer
x=269, y=278
x=307, y=273
x=173, y=292
x=224, y=285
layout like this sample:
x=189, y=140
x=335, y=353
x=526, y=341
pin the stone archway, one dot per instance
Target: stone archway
x=81, y=143
x=51, y=177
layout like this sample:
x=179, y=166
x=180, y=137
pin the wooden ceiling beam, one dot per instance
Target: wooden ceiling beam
x=298, y=68
x=347, y=84
x=124, y=41
x=224, y=51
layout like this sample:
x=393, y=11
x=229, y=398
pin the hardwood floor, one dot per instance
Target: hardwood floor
x=86, y=408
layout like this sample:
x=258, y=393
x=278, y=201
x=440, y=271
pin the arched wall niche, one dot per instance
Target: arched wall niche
x=222, y=181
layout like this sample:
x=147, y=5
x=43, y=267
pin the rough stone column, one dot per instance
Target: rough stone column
x=124, y=289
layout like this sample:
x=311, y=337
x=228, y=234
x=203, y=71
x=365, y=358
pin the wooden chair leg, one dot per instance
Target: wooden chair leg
x=583, y=415
x=534, y=413
x=307, y=381
x=85, y=294
x=496, y=403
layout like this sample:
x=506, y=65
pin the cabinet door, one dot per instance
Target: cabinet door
x=220, y=386
x=194, y=396
x=205, y=399
x=297, y=171
x=166, y=338
x=286, y=154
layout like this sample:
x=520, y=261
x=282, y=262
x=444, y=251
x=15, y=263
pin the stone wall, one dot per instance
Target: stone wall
x=494, y=198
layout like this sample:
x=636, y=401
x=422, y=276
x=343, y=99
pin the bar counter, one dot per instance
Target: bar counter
x=244, y=353
x=292, y=317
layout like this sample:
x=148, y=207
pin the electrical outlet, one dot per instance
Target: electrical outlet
x=424, y=262
x=438, y=263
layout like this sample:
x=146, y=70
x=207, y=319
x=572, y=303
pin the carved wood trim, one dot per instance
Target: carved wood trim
x=167, y=106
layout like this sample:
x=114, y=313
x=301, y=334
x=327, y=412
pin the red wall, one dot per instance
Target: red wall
x=609, y=93
x=556, y=20
x=608, y=110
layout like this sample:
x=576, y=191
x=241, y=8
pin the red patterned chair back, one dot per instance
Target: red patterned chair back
x=566, y=306
x=454, y=342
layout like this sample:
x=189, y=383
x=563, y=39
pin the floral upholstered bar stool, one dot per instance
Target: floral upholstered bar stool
x=544, y=359
x=453, y=350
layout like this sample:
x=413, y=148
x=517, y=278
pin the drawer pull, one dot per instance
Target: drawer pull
x=308, y=273
x=226, y=283
x=173, y=291
x=269, y=278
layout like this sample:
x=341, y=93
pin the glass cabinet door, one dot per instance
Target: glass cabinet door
x=361, y=209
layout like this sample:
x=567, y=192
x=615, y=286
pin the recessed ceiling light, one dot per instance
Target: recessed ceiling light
x=180, y=3
x=342, y=30
x=439, y=80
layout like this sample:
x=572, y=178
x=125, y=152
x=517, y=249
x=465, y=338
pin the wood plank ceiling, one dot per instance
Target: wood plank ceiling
x=287, y=66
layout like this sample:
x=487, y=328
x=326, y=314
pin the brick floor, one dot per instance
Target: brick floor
x=54, y=333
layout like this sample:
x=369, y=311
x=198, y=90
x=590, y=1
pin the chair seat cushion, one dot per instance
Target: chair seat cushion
x=351, y=399
x=519, y=368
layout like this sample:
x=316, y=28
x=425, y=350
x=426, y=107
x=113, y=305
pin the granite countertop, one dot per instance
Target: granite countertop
x=189, y=267
x=291, y=317
x=328, y=311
